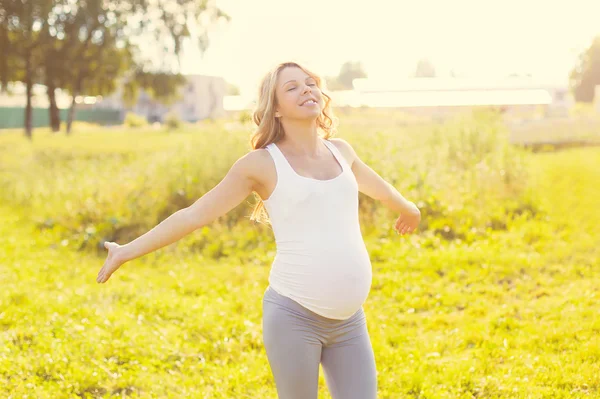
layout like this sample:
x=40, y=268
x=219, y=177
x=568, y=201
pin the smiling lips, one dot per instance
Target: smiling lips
x=309, y=102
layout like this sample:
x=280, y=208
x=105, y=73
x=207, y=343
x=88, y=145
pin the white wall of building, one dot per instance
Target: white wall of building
x=201, y=97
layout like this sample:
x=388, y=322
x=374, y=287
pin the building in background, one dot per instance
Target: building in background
x=441, y=96
x=201, y=97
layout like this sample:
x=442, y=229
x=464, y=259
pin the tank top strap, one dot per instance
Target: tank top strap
x=336, y=153
x=281, y=164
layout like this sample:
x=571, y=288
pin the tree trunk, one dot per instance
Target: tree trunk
x=28, y=107
x=71, y=114
x=77, y=88
x=54, y=111
x=4, y=60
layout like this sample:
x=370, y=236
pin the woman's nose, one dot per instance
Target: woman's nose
x=306, y=88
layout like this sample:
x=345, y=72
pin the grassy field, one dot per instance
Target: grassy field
x=494, y=297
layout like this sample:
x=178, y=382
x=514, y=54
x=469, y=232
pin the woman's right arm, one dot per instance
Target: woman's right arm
x=235, y=187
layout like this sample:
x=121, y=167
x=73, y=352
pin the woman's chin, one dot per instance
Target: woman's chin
x=309, y=114
x=313, y=111
x=313, y=116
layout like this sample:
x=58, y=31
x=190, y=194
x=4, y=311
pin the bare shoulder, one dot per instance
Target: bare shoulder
x=345, y=148
x=259, y=167
x=255, y=162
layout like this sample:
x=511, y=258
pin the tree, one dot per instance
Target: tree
x=21, y=24
x=9, y=60
x=333, y=83
x=67, y=32
x=424, y=69
x=348, y=72
x=75, y=37
x=96, y=73
x=586, y=74
x=85, y=45
x=232, y=90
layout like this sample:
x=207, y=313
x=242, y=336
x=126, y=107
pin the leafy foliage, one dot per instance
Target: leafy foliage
x=586, y=74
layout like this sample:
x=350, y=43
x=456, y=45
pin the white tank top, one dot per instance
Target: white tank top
x=321, y=260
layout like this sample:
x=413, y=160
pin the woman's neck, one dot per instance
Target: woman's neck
x=302, y=138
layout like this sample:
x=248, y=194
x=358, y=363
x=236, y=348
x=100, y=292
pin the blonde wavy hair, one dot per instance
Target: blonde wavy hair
x=269, y=128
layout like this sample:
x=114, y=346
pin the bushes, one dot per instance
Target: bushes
x=133, y=120
x=244, y=117
x=463, y=174
x=172, y=121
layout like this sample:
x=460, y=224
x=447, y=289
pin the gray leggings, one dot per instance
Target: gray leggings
x=297, y=340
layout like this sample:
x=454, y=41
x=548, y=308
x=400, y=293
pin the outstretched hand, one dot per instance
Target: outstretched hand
x=407, y=222
x=113, y=261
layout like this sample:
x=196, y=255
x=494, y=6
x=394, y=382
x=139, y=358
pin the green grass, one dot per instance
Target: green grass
x=496, y=296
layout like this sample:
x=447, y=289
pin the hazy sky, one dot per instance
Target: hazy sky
x=472, y=37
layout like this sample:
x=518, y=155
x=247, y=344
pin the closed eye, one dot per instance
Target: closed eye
x=312, y=84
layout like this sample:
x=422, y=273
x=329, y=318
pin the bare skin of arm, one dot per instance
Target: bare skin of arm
x=240, y=181
x=373, y=185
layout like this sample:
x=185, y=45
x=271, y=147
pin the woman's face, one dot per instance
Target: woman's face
x=294, y=88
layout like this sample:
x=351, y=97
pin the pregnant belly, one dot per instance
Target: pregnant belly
x=334, y=285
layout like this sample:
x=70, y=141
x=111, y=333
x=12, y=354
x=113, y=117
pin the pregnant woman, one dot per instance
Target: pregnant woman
x=308, y=183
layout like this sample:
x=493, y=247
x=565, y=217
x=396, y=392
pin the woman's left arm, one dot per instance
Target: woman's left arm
x=373, y=185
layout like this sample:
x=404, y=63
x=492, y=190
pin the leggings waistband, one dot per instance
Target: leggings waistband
x=275, y=297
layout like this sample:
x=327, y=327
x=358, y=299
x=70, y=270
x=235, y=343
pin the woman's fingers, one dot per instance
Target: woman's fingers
x=100, y=276
x=403, y=228
x=104, y=273
x=400, y=228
